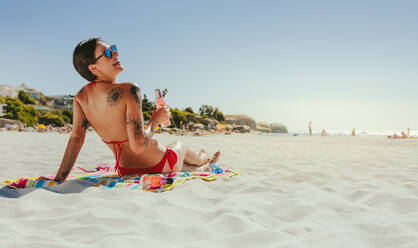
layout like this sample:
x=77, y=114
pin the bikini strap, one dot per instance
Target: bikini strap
x=117, y=152
x=91, y=84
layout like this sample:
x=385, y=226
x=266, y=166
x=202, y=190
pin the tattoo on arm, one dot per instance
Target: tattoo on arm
x=134, y=91
x=114, y=96
x=137, y=123
x=64, y=174
x=84, y=124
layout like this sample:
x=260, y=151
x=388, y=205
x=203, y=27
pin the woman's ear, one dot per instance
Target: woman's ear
x=93, y=69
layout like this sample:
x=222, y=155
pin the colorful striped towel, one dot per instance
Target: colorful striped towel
x=105, y=178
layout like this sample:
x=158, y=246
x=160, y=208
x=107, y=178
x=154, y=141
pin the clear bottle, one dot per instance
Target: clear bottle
x=160, y=103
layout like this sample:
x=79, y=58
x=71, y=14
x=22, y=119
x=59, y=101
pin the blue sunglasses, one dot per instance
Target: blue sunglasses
x=108, y=52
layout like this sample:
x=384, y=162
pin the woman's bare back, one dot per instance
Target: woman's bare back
x=104, y=105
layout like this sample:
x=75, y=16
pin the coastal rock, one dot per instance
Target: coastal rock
x=263, y=127
x=240, y=120
x=278, y=128
x=4, y=121
x=242, y=128
x=229, y=127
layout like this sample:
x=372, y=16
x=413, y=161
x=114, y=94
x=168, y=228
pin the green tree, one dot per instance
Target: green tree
x=16, y=110
x=48, y=118
x=66, y=113
x=147, y=115
x=220, y=117
x=179, y=116
x=165, y=91
x=206, y=110
x=189, y=109
x=24, y=97
x=147, y=105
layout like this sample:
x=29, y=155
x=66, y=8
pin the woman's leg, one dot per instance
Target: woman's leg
x=187, y=160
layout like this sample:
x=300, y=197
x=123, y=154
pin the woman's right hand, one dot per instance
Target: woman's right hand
x=161, y=115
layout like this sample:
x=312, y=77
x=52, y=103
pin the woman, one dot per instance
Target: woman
x=114, y=111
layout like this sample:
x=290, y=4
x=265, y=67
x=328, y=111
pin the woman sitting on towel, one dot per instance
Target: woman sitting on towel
x=114, y=111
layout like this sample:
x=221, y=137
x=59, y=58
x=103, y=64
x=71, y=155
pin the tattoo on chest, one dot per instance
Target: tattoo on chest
x=134, y=92
x=84, y=124
x=137, y=123
x=114, y=96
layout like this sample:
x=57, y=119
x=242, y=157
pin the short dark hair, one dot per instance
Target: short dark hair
x=83, y=56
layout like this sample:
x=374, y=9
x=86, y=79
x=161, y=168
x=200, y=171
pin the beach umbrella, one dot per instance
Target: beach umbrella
x=198, y=125
x=42, y=126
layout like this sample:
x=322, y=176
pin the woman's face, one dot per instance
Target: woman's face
x=106, y=68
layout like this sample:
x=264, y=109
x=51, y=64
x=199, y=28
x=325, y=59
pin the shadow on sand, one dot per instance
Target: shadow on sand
x=68, y=187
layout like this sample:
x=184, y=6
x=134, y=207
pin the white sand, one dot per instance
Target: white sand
x=292, y=192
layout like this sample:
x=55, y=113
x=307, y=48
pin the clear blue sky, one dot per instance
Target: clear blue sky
x=341, y=64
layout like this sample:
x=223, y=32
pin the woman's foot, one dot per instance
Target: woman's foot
x=204, y=156
x=215, y=157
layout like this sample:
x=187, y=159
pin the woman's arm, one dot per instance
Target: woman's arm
x=138, y=136
x=75, y=143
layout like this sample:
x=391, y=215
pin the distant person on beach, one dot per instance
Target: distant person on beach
x=323, y=133
x=114, y=111
x=353, y=132
x=402, y=136
x=310, y=128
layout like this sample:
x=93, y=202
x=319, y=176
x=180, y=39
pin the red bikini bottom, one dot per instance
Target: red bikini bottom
x=169, y=155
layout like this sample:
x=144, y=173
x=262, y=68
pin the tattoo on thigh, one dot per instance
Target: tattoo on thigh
x=114, y=96
x=134, y=92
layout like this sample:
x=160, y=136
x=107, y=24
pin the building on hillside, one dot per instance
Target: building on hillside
x=13, y=91
x=63, y=101
x=8, y=90
x=36, y=94
x=42, y=107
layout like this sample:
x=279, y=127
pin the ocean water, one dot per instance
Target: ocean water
x=347, y=133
